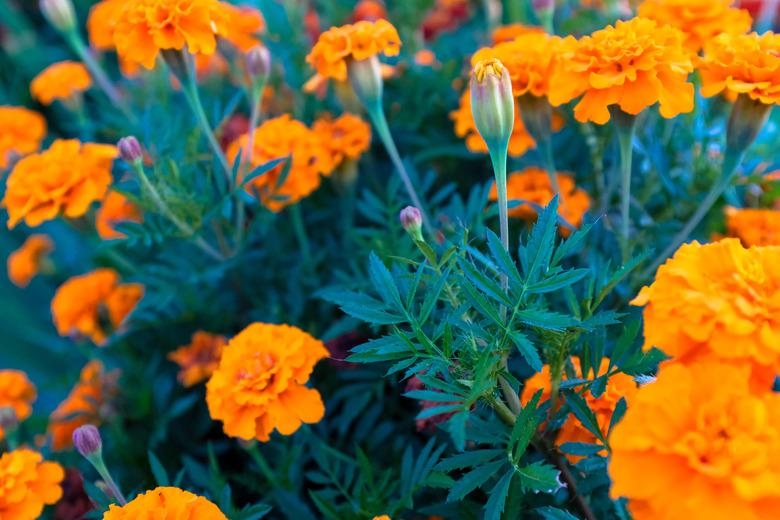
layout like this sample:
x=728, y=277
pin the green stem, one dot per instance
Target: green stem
x=100, y=466
x=625, y=130
x=498, y=158
x=546, y=150
x=300, y=233
x=255, y=98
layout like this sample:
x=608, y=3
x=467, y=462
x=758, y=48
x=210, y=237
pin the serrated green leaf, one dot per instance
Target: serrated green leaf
x=469, y=459
x=539, y=476
x=527, y=350
x=497, y=496
x=553, y=513
x=473, y=479
x=158, y=470
x=524, y=428
x=558, y=281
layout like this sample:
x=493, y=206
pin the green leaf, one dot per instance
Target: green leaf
x=484, y=284
x=438, y=410
x=469, y=459
x=582, y=449
x=553, y=513
x=430, y=395
x=158, y=470
x=572, y=244
x=643, y=363
x=384, y=283
x=546, y=319
x=617, y=413
x=539, y=476
x=497, y=496
x=524, y=428
x=535, y=256
x=479, y=303
x=503, y=260
x=473, y=479
x=558, y=281
x=585, y=415
x=457, y=428
x=527, y=350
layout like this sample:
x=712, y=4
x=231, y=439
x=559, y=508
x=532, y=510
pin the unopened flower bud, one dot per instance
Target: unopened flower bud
x=258, y=62
x=492, y=102
x=746, y=120
x=59, y=13
x=411, y=220
x=365, y=76
x=130, y=150
x=87, y=440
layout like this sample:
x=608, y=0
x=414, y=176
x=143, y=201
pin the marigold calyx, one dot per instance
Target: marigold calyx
x=365, y=76
x=492, y=102
x=59, y=13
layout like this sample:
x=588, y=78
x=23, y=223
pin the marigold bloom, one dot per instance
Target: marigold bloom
x=25, y=262
x=716, y=300
x=507, y=33
x=742, y=64
x=200, y=358
x=369, y=10
x=632, y=65
x=86, y=404
x=754, y=227
x=65, y=179
x=358, y=41
x=282, y=137
x=700, y=20
x=244, y=23
x=166, y=503
x=16, y=393
x=115, y=209
x=27, y=484
x=94, y=304
x=519, y=142
x=60, y=80
x=346, y=137
x=21, y=132
x=696, y=443
x=259, y=384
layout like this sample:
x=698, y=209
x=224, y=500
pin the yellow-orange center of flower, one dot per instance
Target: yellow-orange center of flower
x=490, y=66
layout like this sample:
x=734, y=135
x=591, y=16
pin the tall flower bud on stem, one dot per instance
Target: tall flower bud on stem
x=625, y=125
x=537, y=117
x=87, y=441
x=545, y=11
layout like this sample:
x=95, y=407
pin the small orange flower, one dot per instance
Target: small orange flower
x=347, y=137
x=86, y=403
x=21, y=132
x=200, y=358
x=507, y=33
x=259, y=384
x=16, y=393
x=742, y=64
x=754, y=227
x=700, y=20
x=94, y=304
x=115, y=209
x=633, y=65
x=283, y=137
x=65, y=179
x=27, y=484
x=61, y=80
x=716, y=300
x=425, y=58
x=244, y=23
x=696, y=444
x=25, y=262
x=369, y=10
x=358, y=41
x=166, y=503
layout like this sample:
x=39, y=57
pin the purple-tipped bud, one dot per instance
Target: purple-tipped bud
x=258, y=62
x=87, y=440
x=492, y=103
x=59, y=13
x=411, y=220
x=130, y=150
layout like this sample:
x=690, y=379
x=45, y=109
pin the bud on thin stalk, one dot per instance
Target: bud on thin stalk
x=60, y=14
x=411, y=220
x=366, y=79
x=258, y=63
x=545, y=11
x=130, y=149
x=87, y=441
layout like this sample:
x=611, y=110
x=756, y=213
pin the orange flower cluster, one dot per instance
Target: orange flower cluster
x=16, y=393
x=27, y=484
x=166, y=503
x=94, y=305
x=259, y=385
x=632, y=65
x=359, y=41
x=86, y=404
x=346, y=137
x=282, y=137
x=244, y=23
x=115, y=209
x=533, y=185
x=369, y=10
x=619, y=385
x=200, y=358
x=66, y=179
x=742, y=64
x=754, y=227
x=25, y=262
x=62, y=80
x=700, y=20
x=21, y=132
x=507, y=33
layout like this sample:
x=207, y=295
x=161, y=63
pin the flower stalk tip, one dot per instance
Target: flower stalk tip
x=411, y=220
x=258, y=64
x=130, y=150
x=87, y=441
x=60, y=14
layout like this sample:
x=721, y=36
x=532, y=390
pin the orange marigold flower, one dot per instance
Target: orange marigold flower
x=25, y=262
x=533, y=185
x=370, y=10
x=358, y=41
x=425, y=58
x=200, y=358
x=716, y=300
x=696, y=443
x=259, y=384
x=618, y=386
x=86, y=403
x=16, y=393
x=632, y=65
x=94, y=304
x=742, y=64
x=244, y=23
x=27, y=484
x=346, y=137
x=282, y=137
x=115, y=209
x=166, y=503
x=21, y=132
x=65, y=179
x=101, y=21
x=61, y=80
x=700, y=20
x=507, y=33
x=754, y=227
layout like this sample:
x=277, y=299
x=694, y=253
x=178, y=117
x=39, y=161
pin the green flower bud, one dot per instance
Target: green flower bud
x=60, y=14
x=366, y=79
x=492, y=102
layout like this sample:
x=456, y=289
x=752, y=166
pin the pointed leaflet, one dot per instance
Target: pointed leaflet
x=524, y=428
x=539, y=477
x=473, y=479
x=384, y=283
x=535, y=256
x=527, y=350
x=497, y=496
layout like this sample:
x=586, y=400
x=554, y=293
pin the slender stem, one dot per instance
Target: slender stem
x=498, y=158
x=100, y=466
x=255, y=98
x=300, y=233
x=625, y=131
x=546, y=150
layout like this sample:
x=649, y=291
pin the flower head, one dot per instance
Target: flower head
x=21, y=132
x=166, y=503
x=87, y=440
x=200, y=358
x=716, y=300
x=115, y=209
x=507, y=33
x=492, y=103
x=519, y=142
x=700, y=20
x=25, y=262
x=65, y=179
x=27, y=484
x=259, y=384
x=94, y=304
x=61, y=80
x=16, y=393
x=631, y=65
x=754, y=227
x=696, y=443
x=370, y=10
x=282, y=137
x=346, y=137
x=244, y=23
